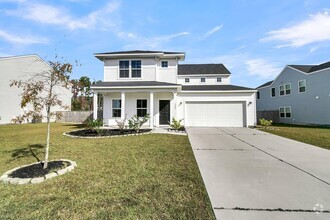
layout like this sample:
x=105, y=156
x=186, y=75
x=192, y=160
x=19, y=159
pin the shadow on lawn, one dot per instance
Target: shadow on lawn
x=75, y=125
x=32, y=150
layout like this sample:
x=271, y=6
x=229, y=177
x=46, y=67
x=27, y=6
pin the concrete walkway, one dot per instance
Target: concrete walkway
x=250, y=174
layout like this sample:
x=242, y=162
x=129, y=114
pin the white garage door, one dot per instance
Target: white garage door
x=214, y=114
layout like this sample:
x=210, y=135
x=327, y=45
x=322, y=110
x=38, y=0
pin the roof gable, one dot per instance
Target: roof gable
x=311, y=68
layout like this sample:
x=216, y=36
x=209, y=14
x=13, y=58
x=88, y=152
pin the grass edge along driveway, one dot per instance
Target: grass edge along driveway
x=153, y=176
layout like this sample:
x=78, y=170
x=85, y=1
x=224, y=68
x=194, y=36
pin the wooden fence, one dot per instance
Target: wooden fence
x=269, y=115
x=77, y=116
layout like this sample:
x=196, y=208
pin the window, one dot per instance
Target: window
x=203, y=80
x=141, y=106
x=164, y=64
x=186, y=80
x=273, y=92
x=116, y=108
x=258, y=95
x=123, y=68
x=302, y=86
x=129, y=69
x=136, y=68
x=285, y=112
x=285, y=89
x=219, y=79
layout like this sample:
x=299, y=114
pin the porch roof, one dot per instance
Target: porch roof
x=215, y=88
x=134, y=84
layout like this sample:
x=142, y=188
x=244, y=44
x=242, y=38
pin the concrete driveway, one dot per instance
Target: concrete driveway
x=250, y=174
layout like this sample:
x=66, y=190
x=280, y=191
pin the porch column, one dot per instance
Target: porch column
x=95, y=105
x=123, y=104
x=151, y=109
x=175, y=115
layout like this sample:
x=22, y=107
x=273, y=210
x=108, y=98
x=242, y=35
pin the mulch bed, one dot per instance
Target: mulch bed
x=105, y=132
x=36, y=170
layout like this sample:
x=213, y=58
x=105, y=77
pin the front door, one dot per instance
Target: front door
x=164, y=112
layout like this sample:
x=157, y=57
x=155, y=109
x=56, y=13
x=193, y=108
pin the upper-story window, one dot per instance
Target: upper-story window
x=302, y=86
x=136, y=68
x=126, y=70
x=164, y=64
x=203, y=80
x=273, y=92
x=285, y=89
x=219, y=79
x=186, y=80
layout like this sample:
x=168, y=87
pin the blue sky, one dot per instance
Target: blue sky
x=253, y=39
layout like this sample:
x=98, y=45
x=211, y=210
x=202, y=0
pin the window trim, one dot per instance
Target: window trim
x=285, y=112
x=271, y=93
x=129, y=69
x=204, y=80
x=146, y=108
x=220, y=80
x=299, y=86
x=112, y=108
x=187, y=79
x=161, y=64
x=284, y=85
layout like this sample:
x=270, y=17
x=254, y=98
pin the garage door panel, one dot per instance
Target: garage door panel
x=214, y=114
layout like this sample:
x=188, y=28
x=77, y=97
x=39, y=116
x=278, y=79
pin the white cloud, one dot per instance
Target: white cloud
x=262, y=68
x=148, y=42
x=312, y=30
x=212, y=31
x=53, y=15
x=24, y=39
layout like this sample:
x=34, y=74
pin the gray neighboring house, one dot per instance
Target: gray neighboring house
x=20, y=68
x=300, y=94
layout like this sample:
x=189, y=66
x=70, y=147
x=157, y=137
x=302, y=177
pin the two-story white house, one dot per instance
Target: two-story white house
x=153, y=82
x=300, y=93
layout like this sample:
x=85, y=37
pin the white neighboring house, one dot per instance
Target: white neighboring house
x=301, y=94
x=22, y=68
x=152, y=82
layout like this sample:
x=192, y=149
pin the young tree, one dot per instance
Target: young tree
x=41, y=91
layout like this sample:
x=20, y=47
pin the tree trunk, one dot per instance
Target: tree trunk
x=48, y=139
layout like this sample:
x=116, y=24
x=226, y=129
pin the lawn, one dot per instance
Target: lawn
x=318, y=136
x=152, y=176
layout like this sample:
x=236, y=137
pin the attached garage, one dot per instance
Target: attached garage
x=215, y=114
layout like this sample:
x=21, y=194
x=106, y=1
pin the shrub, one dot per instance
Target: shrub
x=265, y=123
x=121, y=124
x=176, y=124
x=136, y=122
x=94, y=124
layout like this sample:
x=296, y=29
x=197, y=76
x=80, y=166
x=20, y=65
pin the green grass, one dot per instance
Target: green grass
x=153, y=176
x=315, y=135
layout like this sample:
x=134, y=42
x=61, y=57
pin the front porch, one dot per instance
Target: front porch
x=119, y=105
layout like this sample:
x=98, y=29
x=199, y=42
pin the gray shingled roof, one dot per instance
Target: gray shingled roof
x=197, y=69
x=265, y=84
x=140, y=51
x=311, y=68
x=133, y=84
x=214, y=88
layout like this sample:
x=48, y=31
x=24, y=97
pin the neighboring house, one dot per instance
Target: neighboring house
x=152, y=82
x=300, y=94
x=21, y=68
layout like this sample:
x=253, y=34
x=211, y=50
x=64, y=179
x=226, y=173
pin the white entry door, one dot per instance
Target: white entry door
x=215, y=114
